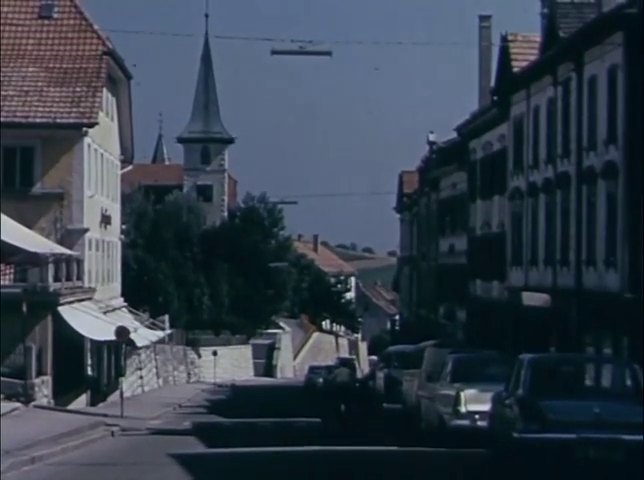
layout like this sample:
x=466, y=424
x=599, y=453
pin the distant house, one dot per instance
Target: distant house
x=376, y=305
x=340, y=272
x=370, y=268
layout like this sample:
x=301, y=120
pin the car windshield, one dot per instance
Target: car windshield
x=479, y=369
x=583, y=378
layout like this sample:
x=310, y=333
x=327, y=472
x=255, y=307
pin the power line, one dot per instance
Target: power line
x=308, y=41
x=336, y=194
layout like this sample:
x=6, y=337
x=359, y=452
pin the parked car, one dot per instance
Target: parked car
x=315, y=376
x=461, y=398
x=391, y=365
x=351, y=363
x=410, y=377
x=573, y=405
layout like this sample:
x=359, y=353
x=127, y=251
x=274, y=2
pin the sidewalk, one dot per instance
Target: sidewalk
x=35, y=434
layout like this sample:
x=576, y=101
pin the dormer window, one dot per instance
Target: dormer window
x=205, y=155
x=47, y=10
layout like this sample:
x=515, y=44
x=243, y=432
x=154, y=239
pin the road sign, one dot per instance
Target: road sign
x=122, y=333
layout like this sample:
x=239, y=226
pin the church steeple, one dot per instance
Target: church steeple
x=160, y=154
x=205, y=124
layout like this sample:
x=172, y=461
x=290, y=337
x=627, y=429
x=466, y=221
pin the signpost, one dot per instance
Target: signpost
x=122, y=335
x=214, y=370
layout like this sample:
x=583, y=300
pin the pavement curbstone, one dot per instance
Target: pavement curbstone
x=35, y=457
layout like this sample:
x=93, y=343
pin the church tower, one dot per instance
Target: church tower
x=205, y=141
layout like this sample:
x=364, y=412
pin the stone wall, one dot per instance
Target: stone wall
x=320, y=349
x=232, y=363
x=156, y=366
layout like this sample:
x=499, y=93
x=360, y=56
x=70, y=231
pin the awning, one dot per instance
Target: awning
x=86, y=318
x=23, y=238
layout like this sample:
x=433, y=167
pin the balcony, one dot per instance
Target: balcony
x=52, y=276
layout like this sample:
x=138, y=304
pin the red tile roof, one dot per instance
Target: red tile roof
x=524, y=48
x=381, y=296
x=409, y=181
x=51, y=70
x=151, y=174
x=324, y=258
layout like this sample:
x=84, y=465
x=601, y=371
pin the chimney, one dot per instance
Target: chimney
x=485, y=59
x=316, y=243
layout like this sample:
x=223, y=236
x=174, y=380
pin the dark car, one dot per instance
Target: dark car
x=573, y=406
x=316, y=376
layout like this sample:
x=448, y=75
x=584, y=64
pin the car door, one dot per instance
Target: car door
x=505, y=411
x=444, y=393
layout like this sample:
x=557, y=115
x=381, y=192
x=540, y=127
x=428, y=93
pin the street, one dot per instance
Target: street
x=260, y=437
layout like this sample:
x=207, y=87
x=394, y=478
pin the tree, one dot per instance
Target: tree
x=244, y=247
x=162, y=258
x=392, y=253
x=368, y=250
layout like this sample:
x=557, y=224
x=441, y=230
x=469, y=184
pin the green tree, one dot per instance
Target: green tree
x=247, y=246
x=162, y=258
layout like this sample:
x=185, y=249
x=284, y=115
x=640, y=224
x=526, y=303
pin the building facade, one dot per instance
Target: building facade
x=66, y=118
x=572, y=232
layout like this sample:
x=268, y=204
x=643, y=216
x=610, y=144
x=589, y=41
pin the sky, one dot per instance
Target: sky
x=334, y=132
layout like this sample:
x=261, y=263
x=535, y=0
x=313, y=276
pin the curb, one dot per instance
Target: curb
x=34, y=458
x=63, y=436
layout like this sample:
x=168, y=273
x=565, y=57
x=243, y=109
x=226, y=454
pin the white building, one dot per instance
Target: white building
x=66, y=116
x=568, y=216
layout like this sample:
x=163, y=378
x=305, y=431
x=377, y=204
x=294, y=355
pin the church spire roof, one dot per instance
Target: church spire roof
x=205, y=124
x=160, y=154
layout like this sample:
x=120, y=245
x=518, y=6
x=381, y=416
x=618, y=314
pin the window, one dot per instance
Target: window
x=86, y=165
x=90, y=263
x=205, y=193
x=612, y=108
x=95, y=171
x=564, y=206
x=535, y=231
x=472, y=180
x=103, y=176
x=536, y=136
x=516, y=231
x=518, y=143
x=566, y=118
x=205, y=155
x=591, y=114
x=591, y=222
x=550, y=227
x=551, y=130
x=18, y=167
x=610, y=259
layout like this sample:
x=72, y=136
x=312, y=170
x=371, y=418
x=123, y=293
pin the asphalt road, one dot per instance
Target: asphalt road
x=275, y=431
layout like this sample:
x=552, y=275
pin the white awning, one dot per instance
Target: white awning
x=140, y=334
x=23, y=238
x=86, y=318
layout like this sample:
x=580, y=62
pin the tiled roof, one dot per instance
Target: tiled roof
x=381, y=296
x=409, y=181
x=151, y=174
x=572, y=16
x=524, y=48
x=51, y=70
x=324, y=258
